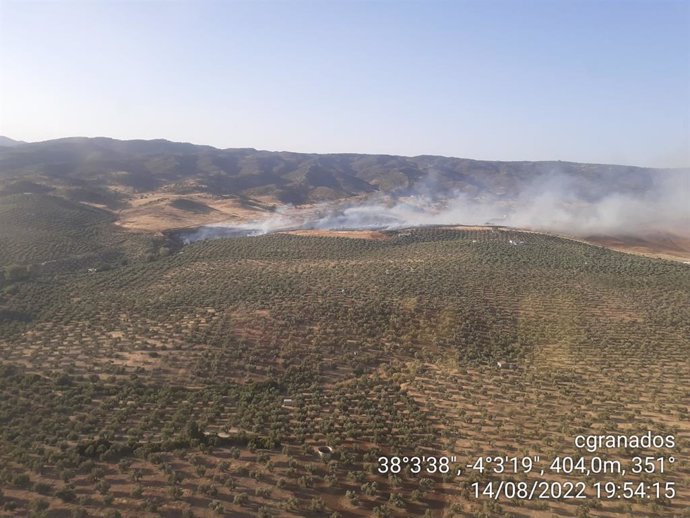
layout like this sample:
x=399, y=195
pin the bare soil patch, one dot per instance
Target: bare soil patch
x=664, y=245
x=352, y=234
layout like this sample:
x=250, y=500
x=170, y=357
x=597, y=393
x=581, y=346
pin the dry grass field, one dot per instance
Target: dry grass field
x=664, y=245
x=159, y=211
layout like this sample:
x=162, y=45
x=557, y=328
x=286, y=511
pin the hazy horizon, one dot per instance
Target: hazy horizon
x=593, y=82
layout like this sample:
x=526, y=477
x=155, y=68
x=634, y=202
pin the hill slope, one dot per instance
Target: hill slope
x=6, y=141
x=157, y=185
x=370, y=346
x=50, y=233
x=144, y=166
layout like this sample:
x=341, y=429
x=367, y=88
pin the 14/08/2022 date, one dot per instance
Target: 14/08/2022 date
x=549, y=490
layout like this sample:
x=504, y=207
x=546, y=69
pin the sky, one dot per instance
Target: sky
x=587, y=81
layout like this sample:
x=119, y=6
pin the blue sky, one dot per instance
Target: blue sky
x=604, y=81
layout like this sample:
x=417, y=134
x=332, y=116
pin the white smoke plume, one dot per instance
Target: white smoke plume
x=553, y=203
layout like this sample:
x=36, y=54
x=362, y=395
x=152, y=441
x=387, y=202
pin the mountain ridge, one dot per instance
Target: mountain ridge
x=9, y=142
x=153, y=186
x=329, y=154
x=296, y=178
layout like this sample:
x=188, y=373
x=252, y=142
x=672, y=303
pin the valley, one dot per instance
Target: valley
x=166, y=351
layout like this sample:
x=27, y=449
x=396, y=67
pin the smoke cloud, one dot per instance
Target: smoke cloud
x=551, y=202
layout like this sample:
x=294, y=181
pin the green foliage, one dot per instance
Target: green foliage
x=16, y=273
x=56, y=235
x=249, y=345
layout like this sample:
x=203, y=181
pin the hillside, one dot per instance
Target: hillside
x=148, y=370
x=49, y=233
x=140, y=166
x=99, y=201
x=205, y=382
x=5, y=141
